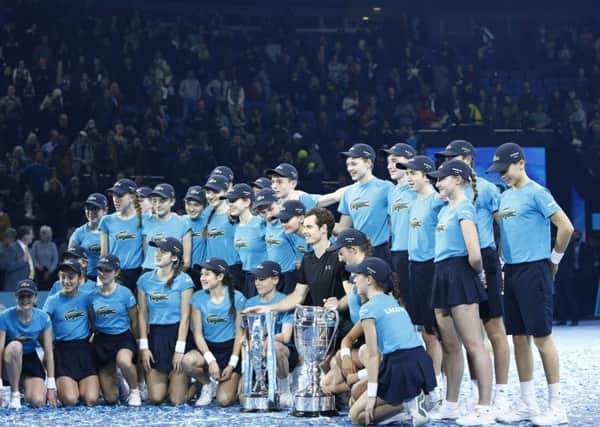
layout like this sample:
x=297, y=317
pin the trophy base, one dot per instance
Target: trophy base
x=314, y=406
x=260, y=404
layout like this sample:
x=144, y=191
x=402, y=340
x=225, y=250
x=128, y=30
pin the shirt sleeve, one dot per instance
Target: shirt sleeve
x=545, y=203
x=48, y=306
x=2, y=324
x=354, y=307
x=103, y=226
x=130, y=299
x=302, y=272
x=76, y=236
x=494, y=199
x=46, y=323
x=343, y=206
x=366, y=312
x=288, y=318
x=466, y=211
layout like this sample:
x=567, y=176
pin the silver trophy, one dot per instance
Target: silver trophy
x=260, y=364
x=315, y=329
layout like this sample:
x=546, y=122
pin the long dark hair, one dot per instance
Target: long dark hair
x=229, y=282
x=177, y=268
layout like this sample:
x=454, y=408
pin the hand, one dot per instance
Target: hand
x=147, y=360
x=214, y=371
x=370, y=410
x=257, y=309
x=348, y=366
x=226, y=374
x=352, y=379
x=177, y=362
x=553, y=269
x=51, y=397
x=331, y=302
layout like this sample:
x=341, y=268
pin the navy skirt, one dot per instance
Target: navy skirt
x=421, y=285
x=455, y=283
x=74, y=359
x=106, y=347
x=32, y=366
x=161, y=341
x=404, y=374
x=222, y=352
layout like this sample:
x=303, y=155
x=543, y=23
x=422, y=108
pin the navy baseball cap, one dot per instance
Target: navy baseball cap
x=505, y=155
x=122, y=187
x=164, y=191
x=285, y=170
x=266, y=269
x=419, y=163
x=458, y=147
x=195, y=193
x=75, y=252
x=262, y=183
x=143, y=192
x=109, y=262
x=70, y=264
x=290, y=209
x=364, y=151
x=26, y=287
x=264, y=198
x=216, y=183
x=214, y=264
x=374, y=267
x=169, y=244
x=239, y=191
x=223, y=171
x=96, y=200
x=452, y=168
x=349, y=237
x=401, y=149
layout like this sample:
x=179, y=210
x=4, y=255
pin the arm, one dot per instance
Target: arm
x=49, y=362
x=103, y=243
x=372, y=366
x=235, y=353
x=286, y=304
x=345, y=223
x=146, y=354
x=73, y=243
x=2, y=344
x=469, y=231
x=563, y=237
x=346, y=355
x=182, y=333
x=284, y=337
x=187, y=249
x=134, y=322
x=213, y=367
x=331, y=198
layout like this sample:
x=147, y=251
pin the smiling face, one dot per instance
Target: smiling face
x=193, y=208
x=513, y=174
x=395, y=173
x=357, y=168
x=213, y=197
x=282, y=186
x=26, y=301
x=107, y=277
x=416, y=179
x=447, y=186
x=269, y=212
x=266, y=285
x=123, y=203
x=210, y=279
x=93, y=214
x=161, y=207
x=238, y=206
x=293, y=224
x=312, y=232
x=163, y=258
x=69, y=281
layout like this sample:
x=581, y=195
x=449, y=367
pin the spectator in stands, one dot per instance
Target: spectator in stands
x=45, y=258
x=190, y=91
x=16, y=261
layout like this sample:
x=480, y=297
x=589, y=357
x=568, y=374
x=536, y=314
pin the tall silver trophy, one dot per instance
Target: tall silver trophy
x=315, y=329
x=260, y=364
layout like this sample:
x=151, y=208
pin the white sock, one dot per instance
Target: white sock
x=284, y=384
x=451, y=405
x=527, y=391
x=440, y=380
x=554, y=394
x=502, y=390
x=134, y=389
x=141, y=385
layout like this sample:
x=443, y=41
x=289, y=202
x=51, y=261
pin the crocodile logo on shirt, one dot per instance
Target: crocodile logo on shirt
x=23, y=338
x=440, y=227
x=197, y=234
x=416, y=223
x=74, y=314
x=303, y=249
x=105, y=311
x=272, y=241
x=157, y=237
x=125, y=235
x=399, y=205
x=214, y=319
x=240, y=244
x=95, y=248
x=215, y=233
x=357, y=204
x=158, y=296
x=507, y=213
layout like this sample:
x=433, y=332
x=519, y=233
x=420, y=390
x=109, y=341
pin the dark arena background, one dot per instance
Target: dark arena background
x=165, y=91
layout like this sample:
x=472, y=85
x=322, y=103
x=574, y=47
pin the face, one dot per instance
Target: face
x=395, y=173
x=146, y=205
x=193, y=208
x=293, y=224
x=357, y=168
x=447, y=186
x=312, y=232
x=123, y=203
x=26, y=301
x=69, y=281
x=265, y=285
x=349, y=254
x=107, y=277
x=362, y=283
x=269, y=212
x=161, y=207
x=93, y=214
x=164, y=258
x=210, y=279
x=213, y=197
x=416, y=179
x=513, y=173
x=282, y=186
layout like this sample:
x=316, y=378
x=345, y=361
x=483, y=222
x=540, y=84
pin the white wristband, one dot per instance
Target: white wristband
x=555, y=257
x=362, y=374
x=143, y=343
x=1, y=384
x=209, y=358
x=481, y=275
x=233, y=361
x=372, y=390
x=180, y=347
x=50, y=383
x=345, y=351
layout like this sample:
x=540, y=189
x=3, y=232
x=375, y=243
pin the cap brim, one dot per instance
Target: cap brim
x=261, y=274
x=157, y=245
x=194, y=198
x=108, y=267
x=202, y=265
x=213, y=188
x=334, y=247
x=354, y=268
x=259, y=205
x=446, y=153
x=349, y=154
x=437, y=174
x=68, y=267
x=388, y=151
x=498, y=167
x=117, y=191
x=159, y=194
x=95, y=204
x=275, y=172
x=25, y=291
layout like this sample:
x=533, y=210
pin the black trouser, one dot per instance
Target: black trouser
x=565, y=300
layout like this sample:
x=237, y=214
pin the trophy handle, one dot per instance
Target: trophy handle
x=335, y=330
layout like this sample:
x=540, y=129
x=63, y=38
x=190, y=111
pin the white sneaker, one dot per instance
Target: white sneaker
x=482, y=415
x=445, y=411
x=285, y=397
x=434, y=398
x=399, y=418
x=143, y=391
x=15, y=400
x=5, y=396
x=135, y=397
x=501, y=404
x=418, y=413
x=207, y=394
x=522, y=411
x=553, y=416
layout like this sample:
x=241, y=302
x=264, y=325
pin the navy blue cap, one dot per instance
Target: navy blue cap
x=262, y=183
x=419, y=163
x=164, y=191
x=75, y=252
x=349, y=237
x=70, y=264
x=223, y=171
x=216, y=183
x=26, y=287
x=196, y=193
x=122, y=187
x=109, y=262
x=285, y=170
x=97, y=200
x=401, y=149
x=266, y=269
x=265, y=197
x=169, y=244
x=364, y=151
x=458, y=147
x=374, y=267
x=239, y=191
x=143, y=192
x=452, y=168
x=214, y=264
x=505, y=155
x=290, y=209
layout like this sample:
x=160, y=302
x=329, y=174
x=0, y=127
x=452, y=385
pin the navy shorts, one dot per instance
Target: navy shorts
x=382, y=251
x=129, y=278
x=528, y=301
x=222, y=352
x=494, y=306
x=400, y=267
x=74, y=359
x=293, y=358
x=106, y=346
x=421, y=285
x=287, y=282
x=456, y=283
x=249, y=286
x=32, y=366
x=161, y=341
